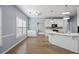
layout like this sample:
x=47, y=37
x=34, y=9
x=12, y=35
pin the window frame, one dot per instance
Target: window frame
x=22, y=27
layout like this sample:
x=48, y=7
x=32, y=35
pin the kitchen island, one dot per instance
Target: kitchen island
x=69, y=41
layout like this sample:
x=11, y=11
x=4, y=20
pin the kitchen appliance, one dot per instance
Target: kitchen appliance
x=54, y=25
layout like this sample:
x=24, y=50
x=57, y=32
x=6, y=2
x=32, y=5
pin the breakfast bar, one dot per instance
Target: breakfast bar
x=69, y=41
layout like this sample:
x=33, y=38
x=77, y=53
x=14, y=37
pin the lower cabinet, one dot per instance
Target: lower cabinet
x=67, y=42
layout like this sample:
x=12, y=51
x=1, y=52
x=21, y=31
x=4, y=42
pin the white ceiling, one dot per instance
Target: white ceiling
x=45, y=10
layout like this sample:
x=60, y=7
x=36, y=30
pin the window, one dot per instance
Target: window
x=24, y=27
x=20, y=27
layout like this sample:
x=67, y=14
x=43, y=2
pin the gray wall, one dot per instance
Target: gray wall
x=9, y=14
x=73, y=24
x=77, y=16
x=33, y=23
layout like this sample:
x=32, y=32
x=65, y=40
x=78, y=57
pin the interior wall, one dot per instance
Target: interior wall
x=49, y=22
x=9, y=14
x=33, y=24
x=78, y=19
x=37, y=24
x=43, y=23
x=77, y=16
x=73, y=24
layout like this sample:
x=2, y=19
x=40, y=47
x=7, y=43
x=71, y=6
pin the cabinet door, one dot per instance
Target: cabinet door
x=66, y=42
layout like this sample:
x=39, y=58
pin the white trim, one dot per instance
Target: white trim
x=9, y=35
x=13, y=46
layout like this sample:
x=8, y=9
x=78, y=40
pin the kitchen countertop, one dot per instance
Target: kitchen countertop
x=67, y=34
x=54, y=28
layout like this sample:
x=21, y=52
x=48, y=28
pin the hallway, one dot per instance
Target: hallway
x=37, y=45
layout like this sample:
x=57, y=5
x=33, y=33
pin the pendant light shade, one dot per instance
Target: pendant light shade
x=66, y=13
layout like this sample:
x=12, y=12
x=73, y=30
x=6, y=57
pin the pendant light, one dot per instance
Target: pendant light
x=66, y=13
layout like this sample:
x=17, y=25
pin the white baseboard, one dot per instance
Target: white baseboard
x=13, y=46
x=4, y=36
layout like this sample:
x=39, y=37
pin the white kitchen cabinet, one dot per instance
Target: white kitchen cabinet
x=68, y=41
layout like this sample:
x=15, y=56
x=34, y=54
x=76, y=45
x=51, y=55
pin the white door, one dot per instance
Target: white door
x=41, y=27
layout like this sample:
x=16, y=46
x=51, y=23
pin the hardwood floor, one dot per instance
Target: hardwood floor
x=37, y=45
